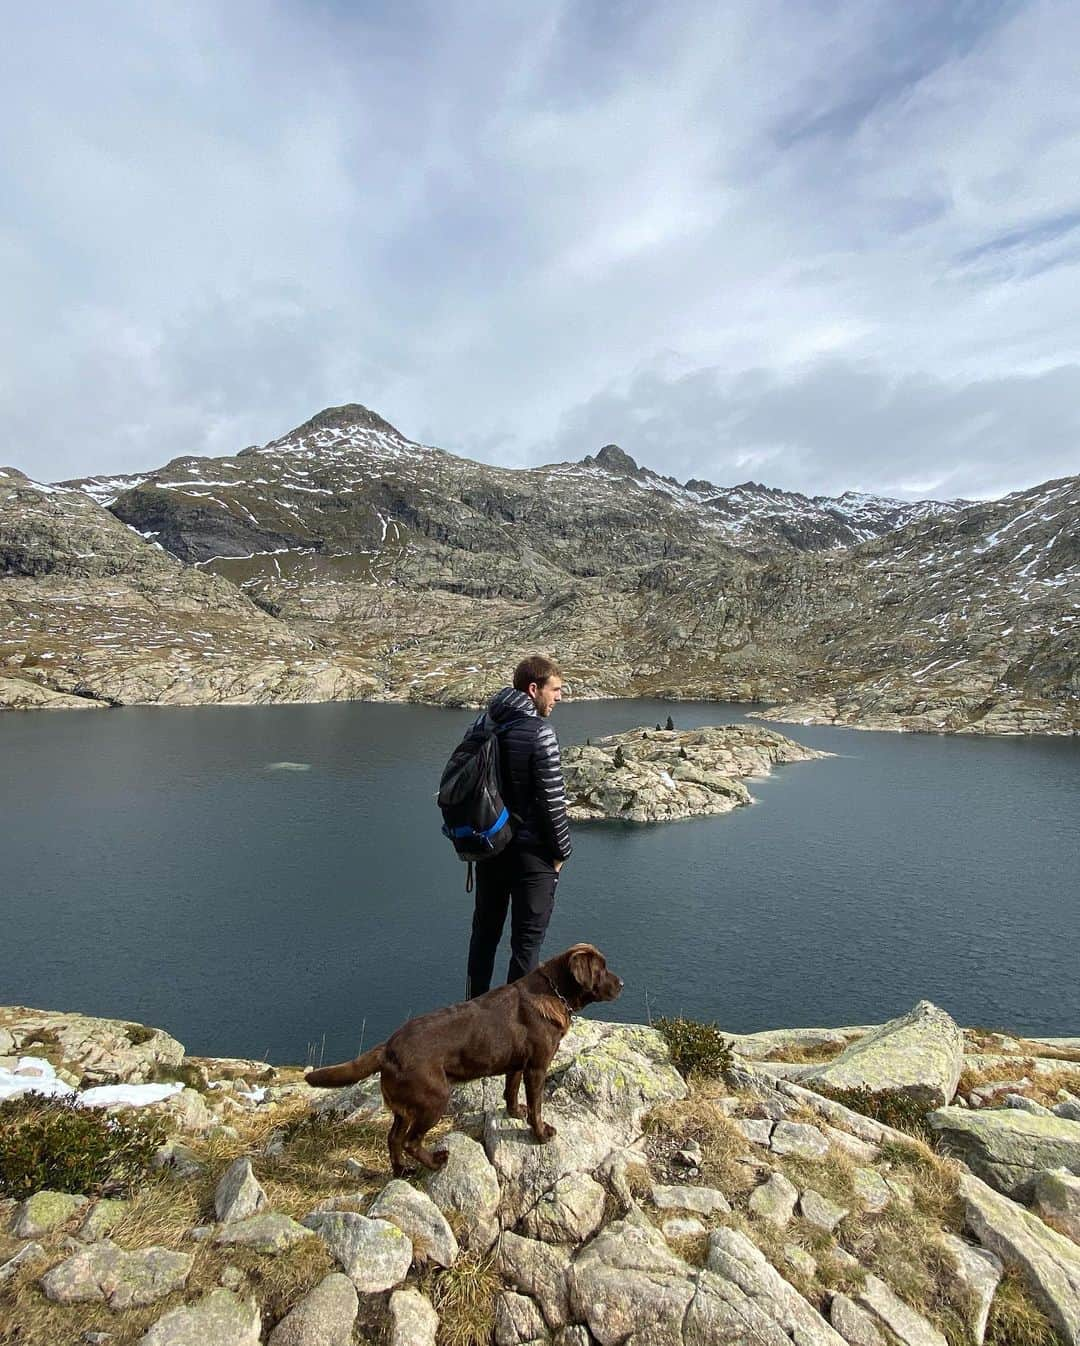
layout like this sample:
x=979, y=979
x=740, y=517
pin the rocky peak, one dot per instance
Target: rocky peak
x=352, y=416
x=612, y=459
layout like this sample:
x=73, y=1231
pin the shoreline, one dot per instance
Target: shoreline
x=61, y=701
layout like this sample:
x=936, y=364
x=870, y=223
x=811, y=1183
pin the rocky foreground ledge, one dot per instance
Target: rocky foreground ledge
x=748, y=1208
x=656, y=775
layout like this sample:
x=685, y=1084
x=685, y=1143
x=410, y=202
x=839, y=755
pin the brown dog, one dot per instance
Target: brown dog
x=513, y=1030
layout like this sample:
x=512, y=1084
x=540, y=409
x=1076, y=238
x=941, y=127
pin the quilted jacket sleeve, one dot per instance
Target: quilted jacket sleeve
x=550, y=792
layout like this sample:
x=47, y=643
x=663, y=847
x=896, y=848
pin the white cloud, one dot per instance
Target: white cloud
x=483, y=220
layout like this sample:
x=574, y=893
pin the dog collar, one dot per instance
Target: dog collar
x=569, y=1008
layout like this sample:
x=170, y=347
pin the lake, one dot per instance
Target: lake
x=156, y=865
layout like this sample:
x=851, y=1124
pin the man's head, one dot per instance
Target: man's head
x=541, y=682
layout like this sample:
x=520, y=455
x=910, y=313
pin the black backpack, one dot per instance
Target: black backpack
x=475, y=817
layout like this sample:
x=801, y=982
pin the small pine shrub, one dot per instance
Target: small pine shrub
x=52, y=1143
x=891, y=1107
x=695, y=1047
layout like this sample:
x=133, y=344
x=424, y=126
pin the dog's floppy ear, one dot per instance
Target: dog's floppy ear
x=585, y=965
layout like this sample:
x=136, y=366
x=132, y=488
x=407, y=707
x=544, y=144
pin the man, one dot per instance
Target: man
x=524, y=875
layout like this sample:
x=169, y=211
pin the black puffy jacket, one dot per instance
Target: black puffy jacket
x=531, y=775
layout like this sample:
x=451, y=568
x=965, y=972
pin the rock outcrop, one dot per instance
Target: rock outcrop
x=220, y=1317
x=90, y=1050
x=920, y=1054
x=1050, y=1262
x=1056, y=1198
x=418, y=1217
x=374, y=1254
x=744, y=1208
x=324, y=1317
x=122, y=1279
x=1008, y=1147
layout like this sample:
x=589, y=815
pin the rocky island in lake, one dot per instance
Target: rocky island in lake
x=654, y=775
x=697, y=1192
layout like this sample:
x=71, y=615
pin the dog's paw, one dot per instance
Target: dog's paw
x=440, y=1158
x=518, y=1111
x=546, y=1133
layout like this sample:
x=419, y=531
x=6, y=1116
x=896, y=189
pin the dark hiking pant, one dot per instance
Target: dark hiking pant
x=525, y=883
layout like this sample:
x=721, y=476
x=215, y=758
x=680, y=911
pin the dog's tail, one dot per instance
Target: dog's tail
x=329, y=1077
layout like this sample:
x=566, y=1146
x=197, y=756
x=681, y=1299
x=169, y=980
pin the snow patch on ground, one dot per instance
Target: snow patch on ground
x=32, y=1075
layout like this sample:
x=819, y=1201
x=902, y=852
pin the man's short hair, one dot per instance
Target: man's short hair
x=535, y=668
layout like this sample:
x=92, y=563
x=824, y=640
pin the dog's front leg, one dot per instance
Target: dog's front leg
x=513, y=1084
x=534, y=1097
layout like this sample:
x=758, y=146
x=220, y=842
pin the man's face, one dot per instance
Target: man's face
x=545, y=697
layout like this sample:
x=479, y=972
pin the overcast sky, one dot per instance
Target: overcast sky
x=820, y=244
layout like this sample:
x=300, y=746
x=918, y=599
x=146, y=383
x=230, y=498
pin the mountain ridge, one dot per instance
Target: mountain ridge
x=413, y=573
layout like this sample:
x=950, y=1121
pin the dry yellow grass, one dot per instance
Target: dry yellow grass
x=1043, y=1086
x=989, y=1042
x=692, y=1248
x=1014, y=1068
x=670, y=1126
x=27, y=1318
x=833, y=1176
x=1015, y=1319
x=160, y=1215
x=157, y=1218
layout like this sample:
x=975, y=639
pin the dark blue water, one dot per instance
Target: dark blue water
x=153, y=868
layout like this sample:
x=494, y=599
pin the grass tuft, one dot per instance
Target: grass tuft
x=464, y=1297
x=160, y=1215
x=1015, y=1319
x=311, y=1167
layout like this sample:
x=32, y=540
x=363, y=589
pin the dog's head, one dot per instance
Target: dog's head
x=588, y=969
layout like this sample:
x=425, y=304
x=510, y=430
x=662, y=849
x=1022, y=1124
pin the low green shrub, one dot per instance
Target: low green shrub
x=52, y=1143
x=695, y=1047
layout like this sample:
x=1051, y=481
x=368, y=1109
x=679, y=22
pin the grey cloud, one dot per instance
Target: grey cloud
x=905, y=45
x=842, y=425
x=1032, y=235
